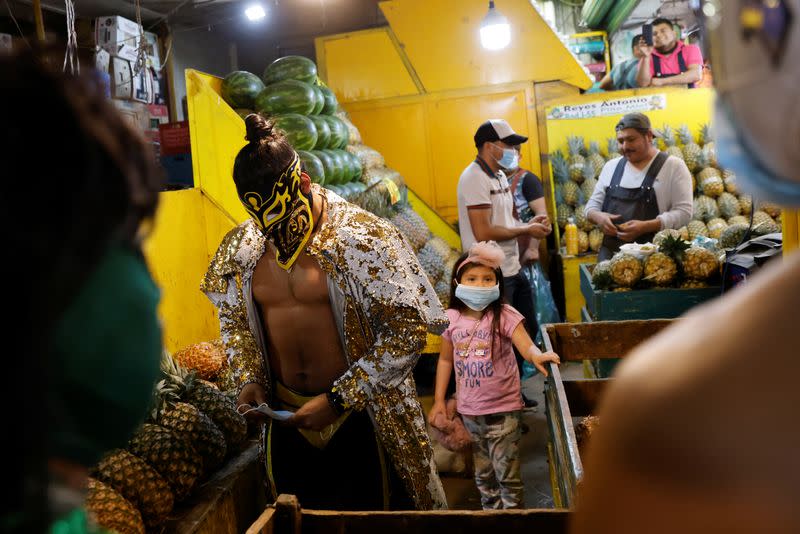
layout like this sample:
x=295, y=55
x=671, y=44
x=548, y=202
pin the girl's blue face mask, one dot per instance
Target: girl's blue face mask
x=477, y=298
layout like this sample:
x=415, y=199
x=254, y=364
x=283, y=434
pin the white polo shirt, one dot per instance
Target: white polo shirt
x=476, y=188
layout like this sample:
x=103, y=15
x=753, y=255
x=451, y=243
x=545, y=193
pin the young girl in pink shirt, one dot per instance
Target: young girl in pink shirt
x=478, y=346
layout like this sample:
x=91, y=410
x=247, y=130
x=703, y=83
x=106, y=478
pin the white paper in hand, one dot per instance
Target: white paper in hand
x=279, y=415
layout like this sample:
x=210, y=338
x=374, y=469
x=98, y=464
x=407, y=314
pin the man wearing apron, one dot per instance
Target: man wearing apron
x=669, y=61
x=641, y=193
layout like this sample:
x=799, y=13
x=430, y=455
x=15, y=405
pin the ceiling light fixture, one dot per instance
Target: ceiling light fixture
x=495, y=30
x=255, y=12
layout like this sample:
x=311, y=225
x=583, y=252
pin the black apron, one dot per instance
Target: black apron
x=681, y=65
x=637, y=204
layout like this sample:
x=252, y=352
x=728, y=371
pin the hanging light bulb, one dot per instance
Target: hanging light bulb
x=255, y=12
x=495, y=30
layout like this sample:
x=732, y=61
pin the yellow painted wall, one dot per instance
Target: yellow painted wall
x=791, y=231
x=442, y=41
x=178, y=252
x=429, y=138
x=364, y=66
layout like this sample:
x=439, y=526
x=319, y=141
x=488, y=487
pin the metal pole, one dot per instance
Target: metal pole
x=37, y=15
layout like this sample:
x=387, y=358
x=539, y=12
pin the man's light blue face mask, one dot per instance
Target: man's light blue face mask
x=510, y=159
x=754, y=177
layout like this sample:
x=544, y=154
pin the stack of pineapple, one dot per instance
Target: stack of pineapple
x=720, y=211
x=193, y=426
x=676, y=263
x=575, y=178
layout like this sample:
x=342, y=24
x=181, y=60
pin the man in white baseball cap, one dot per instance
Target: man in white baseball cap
x=485, y=210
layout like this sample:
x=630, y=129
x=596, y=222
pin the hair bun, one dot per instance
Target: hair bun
x=258, y=127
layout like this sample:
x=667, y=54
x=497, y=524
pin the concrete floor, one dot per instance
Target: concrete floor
x=462, y=493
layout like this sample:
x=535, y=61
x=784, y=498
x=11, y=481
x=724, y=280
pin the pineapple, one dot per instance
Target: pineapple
x=705, y=208
x=673, y=247
x=442, y=289
x=670, y=142
x=709, y=148
x=412, y=226
x=773, y=210
x=190, y=424
x=700, y=264
x=583, y=242
x=587, y=188
x=729, y=179
x=716, y=227
x=576, y=159
x=746, y=202
x=761, y=217
x=626, y=270
x=728, y=206
x=111, y=511
x=206, y=358
x=601, y=276
x=138, y=482
x=766, y=228
x=560, y=167
x=208, y=399
x=169, y=454
x=738, y=219
x=684, y=231
x=596, y=239
x=563, y=214
x=697, y=228
x=580, y=218
x=691, y=150
x=710, y=180
x=613, y=149
x=660, y=269
x=621, y=289
x=431, y=263
x=597, y=161
x=733, y=236
x=663, y=234
x=572, y=193
x=693, y=284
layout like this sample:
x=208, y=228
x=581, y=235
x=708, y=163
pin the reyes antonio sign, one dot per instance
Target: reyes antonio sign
x=605, y=108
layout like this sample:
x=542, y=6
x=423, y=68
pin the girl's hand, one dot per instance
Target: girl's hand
x=540, y=359
x=439, y=408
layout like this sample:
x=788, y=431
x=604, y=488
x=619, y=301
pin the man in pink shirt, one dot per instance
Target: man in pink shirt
x=669, y=61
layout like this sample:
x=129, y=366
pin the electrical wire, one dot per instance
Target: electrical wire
x=71, y=54
x=21, y=34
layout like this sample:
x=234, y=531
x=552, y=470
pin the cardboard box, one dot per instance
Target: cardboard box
x=118, y=35
x=121, y=71
x=175, y=138
x=136, y=114
x=143, y=86
x=102, y=60
x=152, y=50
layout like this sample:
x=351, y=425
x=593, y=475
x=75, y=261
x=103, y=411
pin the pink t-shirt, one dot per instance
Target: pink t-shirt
x=486, y=383
x=669, y=63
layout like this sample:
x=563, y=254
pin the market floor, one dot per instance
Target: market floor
x=462, y=493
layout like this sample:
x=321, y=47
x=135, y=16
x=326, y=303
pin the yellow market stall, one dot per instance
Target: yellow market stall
x=592, y=117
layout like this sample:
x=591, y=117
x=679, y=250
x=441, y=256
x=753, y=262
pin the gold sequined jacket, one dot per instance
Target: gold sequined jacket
x=383, y=304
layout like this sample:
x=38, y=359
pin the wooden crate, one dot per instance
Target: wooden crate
x=565, y=399
x=286, y=517
x=641, y=303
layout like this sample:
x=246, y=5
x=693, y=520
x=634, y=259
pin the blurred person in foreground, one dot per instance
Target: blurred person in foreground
x=695, y=436
x=81, y=303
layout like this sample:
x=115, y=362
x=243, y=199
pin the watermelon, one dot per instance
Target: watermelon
x=300, y=131
x=323, y=131
x=243, y=113
x=338, y=166
x=290, y=68
x=349, y=168
x=356, y=163
x=339, y=133
x=288, y=96
x=240, y=88
x=334, y=188
x=328, y=165
x=320, y=105
x=331, y=104
x=313, y=166
x=358, y=187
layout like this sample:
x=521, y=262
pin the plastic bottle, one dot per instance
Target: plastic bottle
x=571, y=237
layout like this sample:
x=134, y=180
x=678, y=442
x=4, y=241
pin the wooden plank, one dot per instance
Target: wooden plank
x=599, y=340
x=227, y=503
x=437, y=522
x=265, y=524
x=583, y=396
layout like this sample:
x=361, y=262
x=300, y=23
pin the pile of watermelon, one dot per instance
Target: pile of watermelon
x=306, y=111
